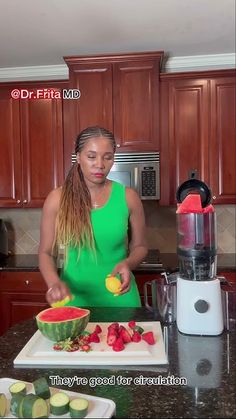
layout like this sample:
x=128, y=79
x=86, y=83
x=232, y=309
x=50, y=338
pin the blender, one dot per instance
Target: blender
x=199, y=303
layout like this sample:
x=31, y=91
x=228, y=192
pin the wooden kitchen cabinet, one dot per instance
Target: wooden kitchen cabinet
x=229, y=276
x=222, y=156
x=31, y=141
x=22, y=296
x=118, y=92
x=198, y=133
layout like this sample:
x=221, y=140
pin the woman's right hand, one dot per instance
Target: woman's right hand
x=57, y=292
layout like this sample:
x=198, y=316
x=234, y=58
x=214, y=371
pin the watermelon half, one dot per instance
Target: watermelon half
x=60, y=323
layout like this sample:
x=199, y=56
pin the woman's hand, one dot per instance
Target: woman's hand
x=57, y=292
x=123, y=270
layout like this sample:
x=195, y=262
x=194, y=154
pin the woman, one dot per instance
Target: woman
x=89, y=216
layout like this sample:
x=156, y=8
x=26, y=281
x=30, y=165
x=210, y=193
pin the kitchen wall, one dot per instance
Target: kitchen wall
x=23, y=226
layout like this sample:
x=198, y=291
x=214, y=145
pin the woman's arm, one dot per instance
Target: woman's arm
x=57, y=289
x=138, y=244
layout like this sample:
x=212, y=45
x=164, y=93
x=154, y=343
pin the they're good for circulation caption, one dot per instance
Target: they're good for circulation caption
x=140, y=380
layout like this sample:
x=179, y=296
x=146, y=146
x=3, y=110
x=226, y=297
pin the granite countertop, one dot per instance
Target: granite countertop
x=225, y=262
x=208, y=364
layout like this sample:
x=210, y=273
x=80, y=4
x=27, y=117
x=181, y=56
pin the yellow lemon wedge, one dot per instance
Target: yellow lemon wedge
x=113, y=284
x=61, y=303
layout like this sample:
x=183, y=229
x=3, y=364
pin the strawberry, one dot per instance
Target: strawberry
x=57, y=348
x=113, y=326
x=132, y=324
x=111, y=339
x=85, y=348
x=94, y=338
x=98, y=329
x=148, y=337
x=118, y=345
x=124, y=335
x=85, y=339
x=136, y=337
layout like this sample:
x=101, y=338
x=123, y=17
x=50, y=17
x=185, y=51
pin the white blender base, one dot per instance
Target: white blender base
x=199, y=307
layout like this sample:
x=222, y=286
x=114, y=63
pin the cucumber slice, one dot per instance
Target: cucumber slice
x=15, y=404
x=33, y=406
x=78, y=408
x=3, y=405
x=41, y=388
x=59, y=404
x=18, y=388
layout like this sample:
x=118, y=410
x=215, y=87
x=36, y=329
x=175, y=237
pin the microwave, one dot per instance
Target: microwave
x=140, y=171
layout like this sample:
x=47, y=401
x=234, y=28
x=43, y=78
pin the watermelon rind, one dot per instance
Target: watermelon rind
x=62, y=329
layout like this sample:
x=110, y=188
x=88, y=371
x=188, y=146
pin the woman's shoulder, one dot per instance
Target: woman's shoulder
x=53, y=199
x=132, y=197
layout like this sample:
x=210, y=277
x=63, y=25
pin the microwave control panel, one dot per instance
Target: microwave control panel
x=148, y=183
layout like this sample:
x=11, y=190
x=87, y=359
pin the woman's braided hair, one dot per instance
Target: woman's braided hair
x=73, y=224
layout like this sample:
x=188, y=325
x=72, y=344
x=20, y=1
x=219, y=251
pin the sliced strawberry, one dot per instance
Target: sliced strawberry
x=136, y=337
x=85, y=348
x=94, y=338
x=132, y=324
x=98, y=329
x=114, y=326
x=118, y=345
x=57, y=348
x=111, y=339
x=148, y=337
x=125, y=335
x=73, y=348
x=85, y=339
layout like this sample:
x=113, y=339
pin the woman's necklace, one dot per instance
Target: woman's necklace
x=95, y=202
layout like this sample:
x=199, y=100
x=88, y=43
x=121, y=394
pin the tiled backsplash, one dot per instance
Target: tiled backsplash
x=23, y=227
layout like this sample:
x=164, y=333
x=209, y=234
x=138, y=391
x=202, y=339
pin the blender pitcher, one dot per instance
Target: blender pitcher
x=199, y=304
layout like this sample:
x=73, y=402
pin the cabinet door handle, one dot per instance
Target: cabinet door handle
x=25, y=201
x=118, y=145
x=27, y=282
x=18, y=201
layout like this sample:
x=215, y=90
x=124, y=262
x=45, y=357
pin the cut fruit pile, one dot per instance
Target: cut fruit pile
x=117, y=337
x=42, y=403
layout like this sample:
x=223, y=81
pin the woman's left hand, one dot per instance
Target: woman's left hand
x=123, y=270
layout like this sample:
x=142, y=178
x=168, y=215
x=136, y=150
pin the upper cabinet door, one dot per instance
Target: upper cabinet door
x=42, y=148
x=223, y=140
x=184, y=134
x=136, y=105
x=94, y=107
x=10, y=155
x=31, y=141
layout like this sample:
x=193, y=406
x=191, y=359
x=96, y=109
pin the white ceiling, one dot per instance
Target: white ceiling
x=41, y=32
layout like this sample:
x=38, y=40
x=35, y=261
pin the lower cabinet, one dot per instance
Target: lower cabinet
x=229, y=276
x=141, y=279
x=22, y=296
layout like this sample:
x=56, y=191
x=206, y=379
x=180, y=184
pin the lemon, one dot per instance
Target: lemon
x=113, y=284
x=61, y=303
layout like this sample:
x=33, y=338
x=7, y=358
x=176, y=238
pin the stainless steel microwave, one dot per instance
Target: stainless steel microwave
x=140, y=171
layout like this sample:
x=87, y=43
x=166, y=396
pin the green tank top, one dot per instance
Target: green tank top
x=85, y=275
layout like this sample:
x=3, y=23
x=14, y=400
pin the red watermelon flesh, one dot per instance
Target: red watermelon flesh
x=60, y=314
x=191, y=204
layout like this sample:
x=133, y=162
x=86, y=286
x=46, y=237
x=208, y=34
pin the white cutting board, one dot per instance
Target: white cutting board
x=39, y=351
x=98, y=406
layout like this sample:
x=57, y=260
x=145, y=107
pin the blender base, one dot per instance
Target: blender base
x=199, y=307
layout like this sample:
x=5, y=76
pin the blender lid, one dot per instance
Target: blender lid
x=194, y=186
